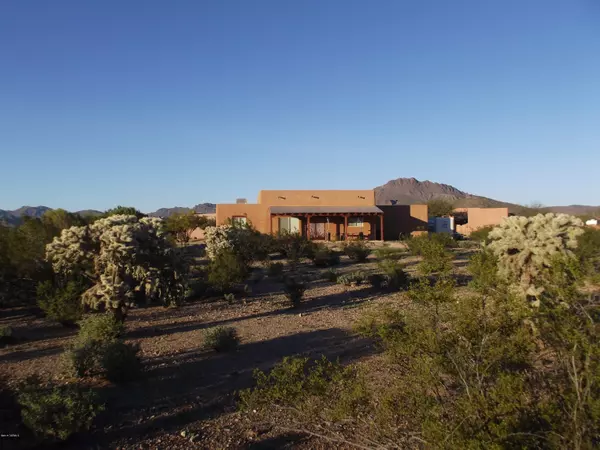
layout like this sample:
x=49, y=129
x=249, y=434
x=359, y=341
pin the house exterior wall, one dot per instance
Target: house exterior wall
x=481, y=217
x=323, y=198
x=403, y=219
x=258, y=215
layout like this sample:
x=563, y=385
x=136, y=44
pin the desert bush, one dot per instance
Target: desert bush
x=525, y=247
x=61, y=303
x=322, y=388
x=6, y=335
x=394, y=274
x=275, y=270
x=483, y=265
x=588, y=249
x=101, y=328
x=324, y=257
x=56, y=412
x=357, y=251
x=294, y=247
x=97, y=332
x=352, y=278
x=482, y=234
x=221, y=339
x=436, y=258
x=389, y=253
x=475, y=369
x=294, y=289
x=225, y=270
x=121, y=363
x=127, y=260
x=331, y=275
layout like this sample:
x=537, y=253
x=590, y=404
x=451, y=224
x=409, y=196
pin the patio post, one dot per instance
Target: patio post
x=346, y=226
x=381, y=222
x=308, y=226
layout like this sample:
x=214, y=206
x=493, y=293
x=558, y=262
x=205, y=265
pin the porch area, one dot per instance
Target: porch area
x=330, y=223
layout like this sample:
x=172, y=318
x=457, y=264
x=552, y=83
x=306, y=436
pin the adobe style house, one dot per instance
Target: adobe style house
x=468, y=220
x=325, y=214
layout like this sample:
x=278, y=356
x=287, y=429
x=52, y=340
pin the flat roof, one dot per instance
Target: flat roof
x=325, y=210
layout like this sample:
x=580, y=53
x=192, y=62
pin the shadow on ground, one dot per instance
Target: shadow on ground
x=197, y=385
x=331, y=301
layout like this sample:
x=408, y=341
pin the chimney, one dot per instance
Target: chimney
x=241, y=201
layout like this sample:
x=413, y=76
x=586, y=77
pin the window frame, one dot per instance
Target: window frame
x=239, y=221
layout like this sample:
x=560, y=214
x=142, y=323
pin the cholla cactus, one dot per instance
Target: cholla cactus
x=218, y=239
x=128, y=260
x=245, y=242
x=526, y=246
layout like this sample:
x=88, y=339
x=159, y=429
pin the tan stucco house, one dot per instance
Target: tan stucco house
x=326, y=214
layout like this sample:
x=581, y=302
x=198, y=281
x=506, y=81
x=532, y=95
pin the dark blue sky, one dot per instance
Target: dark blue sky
x=163, y=103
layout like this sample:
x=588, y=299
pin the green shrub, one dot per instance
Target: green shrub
x=62, y=304
x=55, y=413
x=588, y=249
x=352, y=279
x=96, y=333
x=481, y=234
x=321, y=388
x=394, y=274
x=293, y=245
x=324, y=257
x=436, y=257
x=275, y=270
x=331, y=275
x=102, y=328
x=389, y=253
x=357, y=251
x=225, y=270
x=221, y=339
x=83, y=360
x=294, y=290
x=121, y=363
x=6, y=335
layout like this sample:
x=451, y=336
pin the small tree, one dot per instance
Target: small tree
x=181, y=226
x=124, y=211
x=439, y=208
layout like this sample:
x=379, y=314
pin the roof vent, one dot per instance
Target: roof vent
x=241, y=201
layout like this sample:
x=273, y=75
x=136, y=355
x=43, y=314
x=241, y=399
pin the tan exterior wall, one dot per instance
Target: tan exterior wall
x=317, y=198
x=481, y=217
x=403, y=219
x=258, y=215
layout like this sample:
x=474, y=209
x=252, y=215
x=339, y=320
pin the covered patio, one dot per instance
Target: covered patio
x=329, y=222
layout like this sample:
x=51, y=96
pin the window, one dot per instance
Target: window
x=239, y=221
x=355, y=221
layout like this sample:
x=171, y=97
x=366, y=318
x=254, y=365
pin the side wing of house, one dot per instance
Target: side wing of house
x=403, y=220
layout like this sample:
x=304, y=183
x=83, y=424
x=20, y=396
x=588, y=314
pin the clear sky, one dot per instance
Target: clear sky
x=161, y=103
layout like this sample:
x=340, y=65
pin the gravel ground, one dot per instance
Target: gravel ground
x=187, y=398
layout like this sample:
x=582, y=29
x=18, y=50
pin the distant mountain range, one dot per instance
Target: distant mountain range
x=402, y=191
x=202, y=208
x=14, y=217
x=411, y=191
